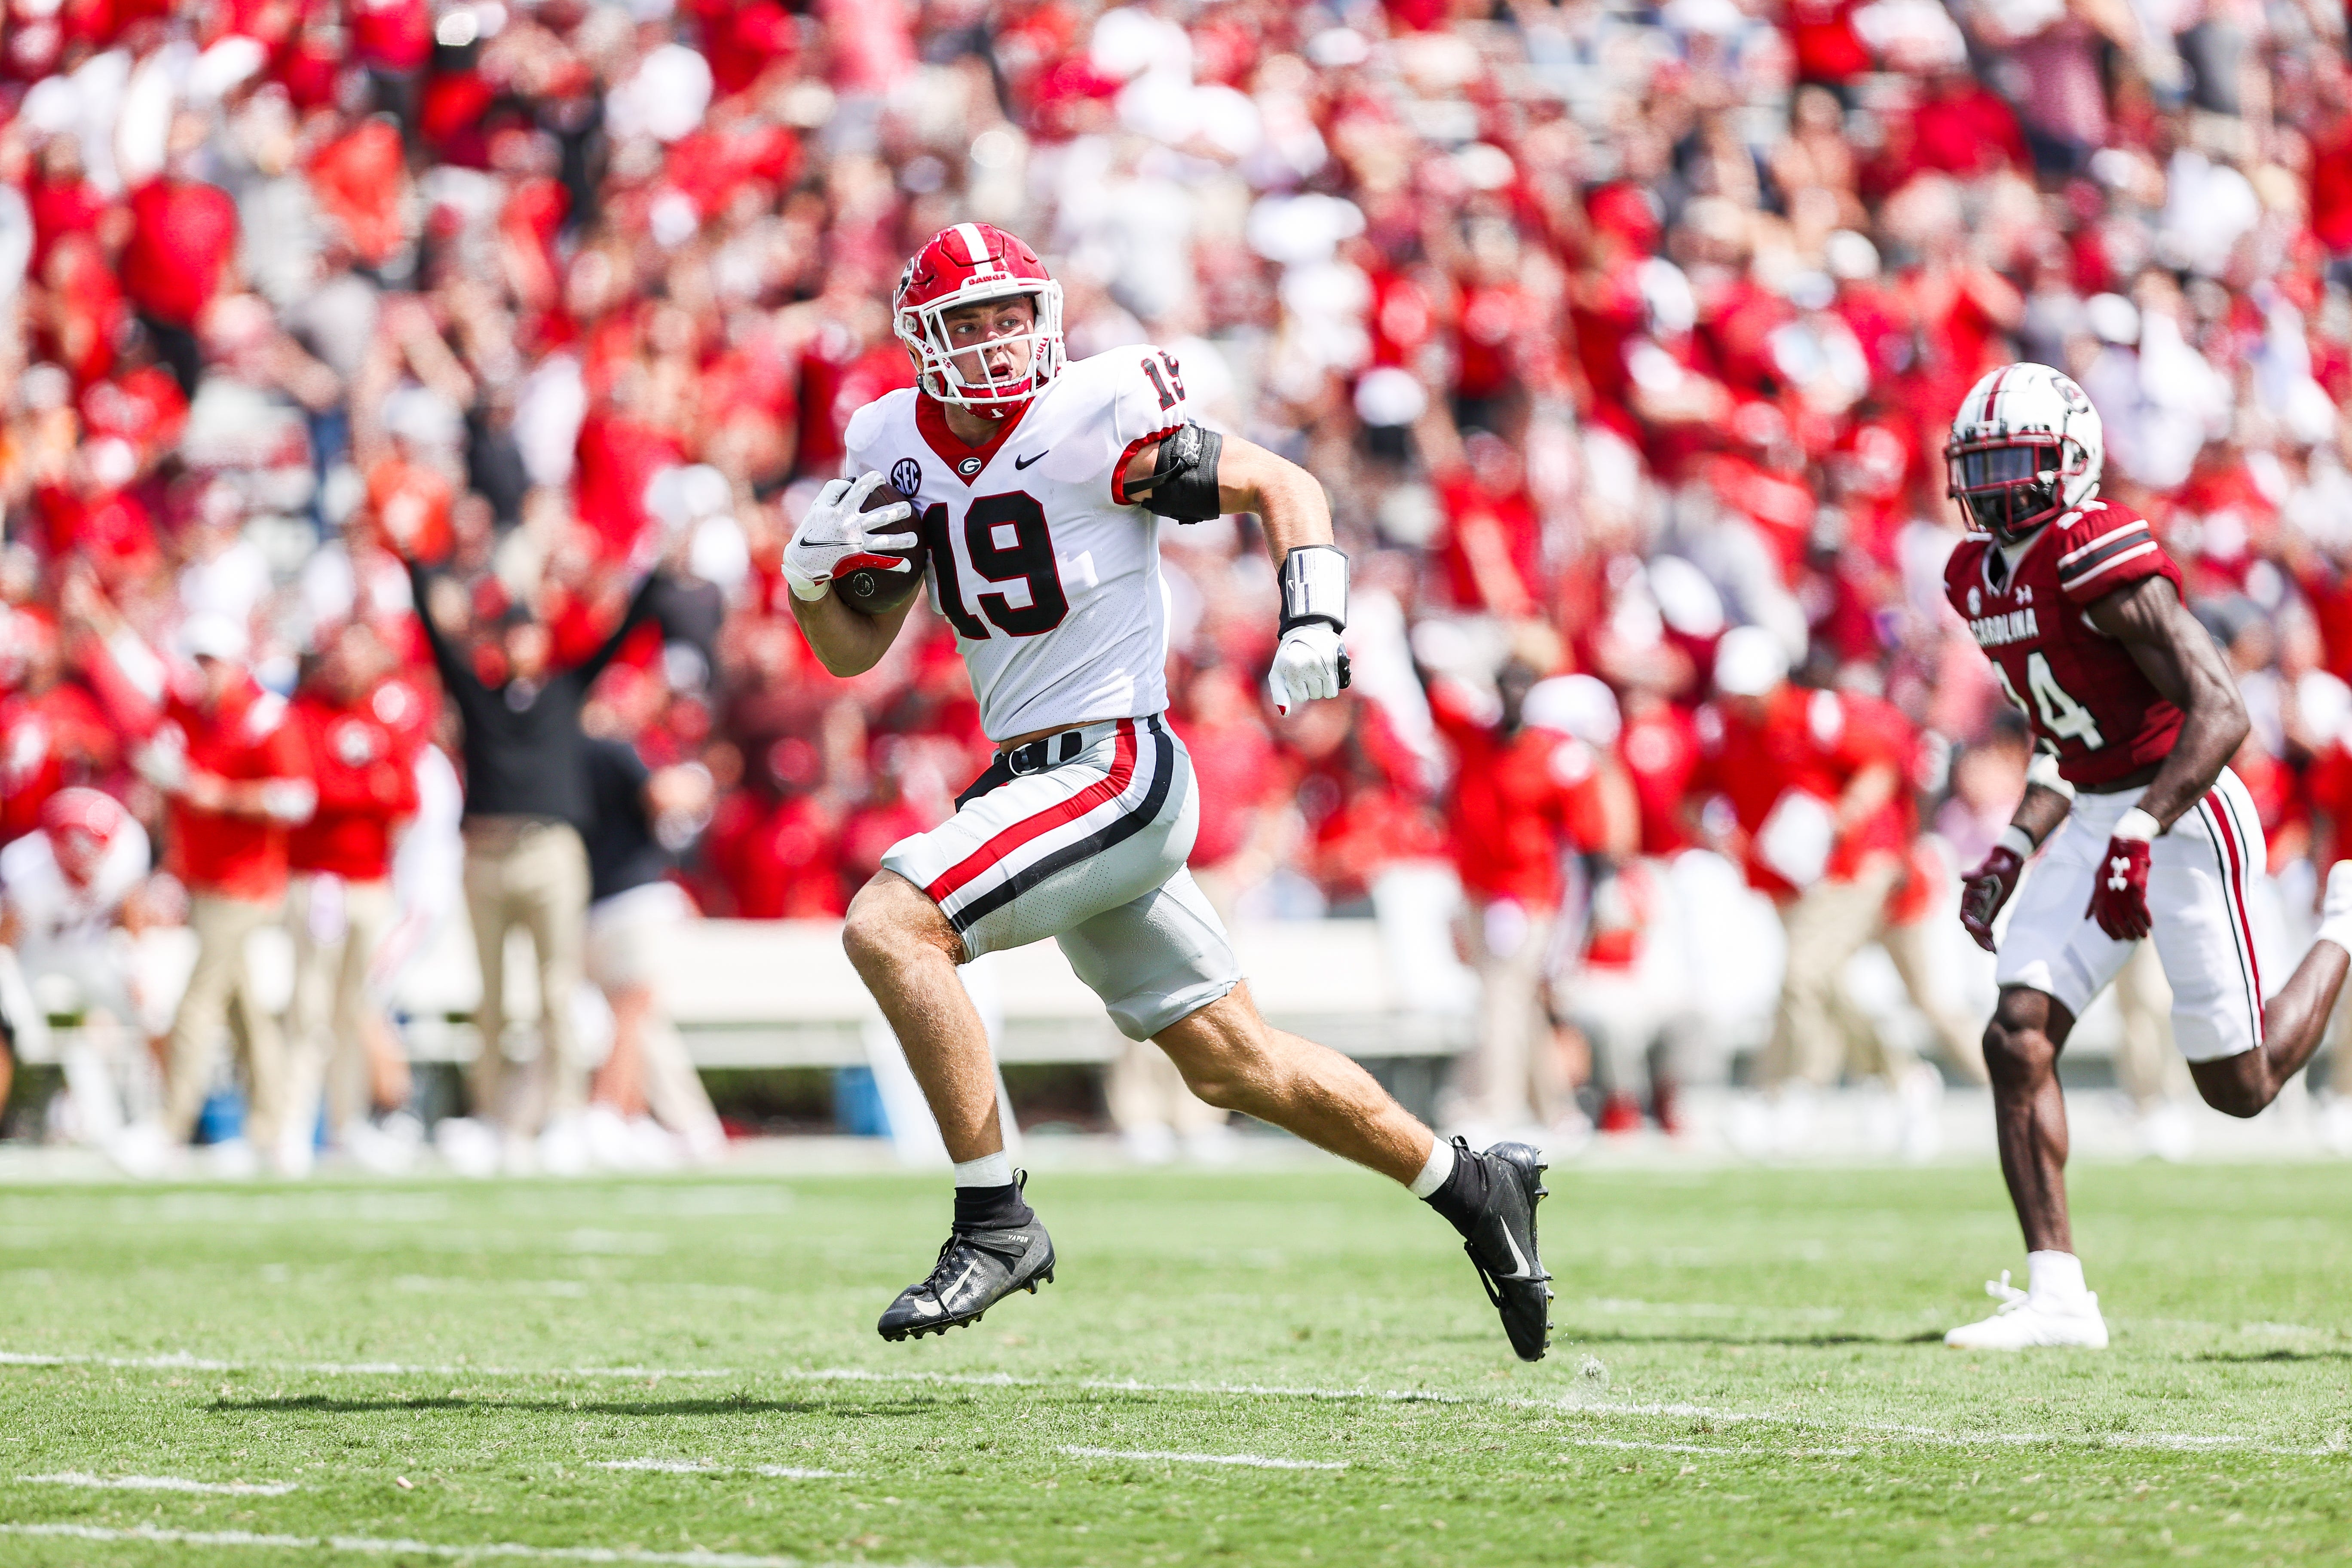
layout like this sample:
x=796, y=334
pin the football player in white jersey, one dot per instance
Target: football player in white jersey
x=62, y=892
x=1038, y=489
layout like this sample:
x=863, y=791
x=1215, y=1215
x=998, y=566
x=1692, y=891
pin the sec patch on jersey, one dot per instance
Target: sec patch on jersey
x=876, y=590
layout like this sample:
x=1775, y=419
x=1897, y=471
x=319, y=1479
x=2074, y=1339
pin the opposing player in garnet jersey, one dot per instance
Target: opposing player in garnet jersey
x=2145, y=830
x=1038, y=489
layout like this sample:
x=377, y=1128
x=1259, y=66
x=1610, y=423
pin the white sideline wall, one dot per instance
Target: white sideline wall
x=760, y=994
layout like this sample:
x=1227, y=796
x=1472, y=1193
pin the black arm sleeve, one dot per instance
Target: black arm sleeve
x=641, y=606
x=455, y=677
x=1184, y=476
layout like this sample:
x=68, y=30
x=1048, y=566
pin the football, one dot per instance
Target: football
x=870, y=590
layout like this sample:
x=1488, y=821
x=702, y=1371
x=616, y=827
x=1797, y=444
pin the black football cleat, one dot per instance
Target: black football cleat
x=977, y=1268
x=1502, y=1245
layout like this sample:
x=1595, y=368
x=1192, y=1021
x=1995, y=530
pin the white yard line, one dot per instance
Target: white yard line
x=382, y=1546
x=1566, y=1403
x=1252, y=1461
x=694, y=1467
x=177, y=1362
x=160, y=1484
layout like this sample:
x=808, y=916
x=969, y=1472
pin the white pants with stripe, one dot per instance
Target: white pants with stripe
x=1089, y=851
x=2199, y=876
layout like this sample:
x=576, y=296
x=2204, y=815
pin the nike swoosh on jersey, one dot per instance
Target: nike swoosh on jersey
x=1024, y=462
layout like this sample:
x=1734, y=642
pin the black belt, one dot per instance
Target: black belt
x=1046, y=752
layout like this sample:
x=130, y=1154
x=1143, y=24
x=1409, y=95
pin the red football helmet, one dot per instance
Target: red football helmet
x=968, y=264
x=82, y=824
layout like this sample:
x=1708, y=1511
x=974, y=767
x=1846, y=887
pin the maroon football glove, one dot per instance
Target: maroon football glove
x=1987, y=888
x=2120, y=889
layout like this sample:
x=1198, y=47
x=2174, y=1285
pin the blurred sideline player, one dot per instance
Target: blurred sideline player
x=361, y=726
x=2147, y=830
x=636, y=815
x=62, y=893
x=239, y=777
x=1814, y=779
x=1039, y=486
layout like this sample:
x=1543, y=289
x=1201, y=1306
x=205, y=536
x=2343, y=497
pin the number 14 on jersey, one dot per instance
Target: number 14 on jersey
x=2060, y=715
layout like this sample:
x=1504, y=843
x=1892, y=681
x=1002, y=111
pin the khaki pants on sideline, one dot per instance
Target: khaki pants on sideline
x=1816, y=1027
x=1511, y=1078
x=222, y=976
x=338, y=930
x=534, y=874
x=674, y=1090
x=623, y=958
x=1912, y=949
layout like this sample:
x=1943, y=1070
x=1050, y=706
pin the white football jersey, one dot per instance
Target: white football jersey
x=53, y=910
x=1048, y=575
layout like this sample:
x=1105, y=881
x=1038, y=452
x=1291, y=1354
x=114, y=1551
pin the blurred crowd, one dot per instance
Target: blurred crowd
x=1615, y=331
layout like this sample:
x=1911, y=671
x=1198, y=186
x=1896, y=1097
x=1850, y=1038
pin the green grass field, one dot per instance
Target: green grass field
x=1744, y=1370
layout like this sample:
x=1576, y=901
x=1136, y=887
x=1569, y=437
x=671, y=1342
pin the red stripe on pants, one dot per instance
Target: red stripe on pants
x=2237, y=892
x=1108, y=787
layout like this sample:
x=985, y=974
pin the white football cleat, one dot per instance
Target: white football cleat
x=469, y=1146
x=144, y=1152
x=564, y=1148
x=2167, y=1130
x=232, y=1160
x=2021, y=1323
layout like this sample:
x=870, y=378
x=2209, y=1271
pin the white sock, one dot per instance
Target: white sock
x=2335, y=907
x=1433, y=1175
x=987, y=1171
x=2055, y=1276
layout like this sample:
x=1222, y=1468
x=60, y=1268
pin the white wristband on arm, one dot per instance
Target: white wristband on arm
x=2017, y=841
x=2136, y=825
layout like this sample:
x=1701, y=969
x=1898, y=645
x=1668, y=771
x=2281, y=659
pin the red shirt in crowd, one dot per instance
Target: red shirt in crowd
x=1492, y=543
x=1823, y=36
x=1660, y=749
x=250, y=736
x=1815, y=742
x=47, y=742
x=365, y=764
x=182, y=237
x=1518, y=800
x=780, y=862
x=1235, y=769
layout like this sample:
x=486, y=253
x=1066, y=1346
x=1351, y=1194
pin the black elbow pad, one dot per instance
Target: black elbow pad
x=1184, y=480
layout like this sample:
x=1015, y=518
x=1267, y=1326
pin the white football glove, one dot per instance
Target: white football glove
x=836, y=537
x=1308, y=663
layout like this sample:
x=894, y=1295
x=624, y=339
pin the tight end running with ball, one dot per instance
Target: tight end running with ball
x=1037, y=489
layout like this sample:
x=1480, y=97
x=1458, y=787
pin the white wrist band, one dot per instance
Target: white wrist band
x=2017, y=841
x=2136, y=825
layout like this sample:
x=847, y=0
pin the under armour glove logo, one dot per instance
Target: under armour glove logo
x=2119, y=895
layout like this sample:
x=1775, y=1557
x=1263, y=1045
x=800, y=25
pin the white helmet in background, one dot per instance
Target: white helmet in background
x=2026, y=447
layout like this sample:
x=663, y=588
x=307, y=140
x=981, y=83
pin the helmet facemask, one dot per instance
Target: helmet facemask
x=2009, y=486
x=924, y=330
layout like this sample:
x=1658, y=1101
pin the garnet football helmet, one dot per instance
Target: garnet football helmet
x=2026, y=447
x=969, y=263
x=82, y=824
